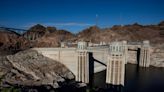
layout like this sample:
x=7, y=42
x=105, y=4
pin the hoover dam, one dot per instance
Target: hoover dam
x=111, y=57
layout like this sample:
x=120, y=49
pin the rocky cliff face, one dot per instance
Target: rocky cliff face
x=89, y=34
x=134, y=32
x=35, y=32
x=41, y=36
x=11, y=42
x=53, y=39
x=37, y=36
x=29, y=68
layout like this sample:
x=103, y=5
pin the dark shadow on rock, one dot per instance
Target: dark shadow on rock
x=67, y=86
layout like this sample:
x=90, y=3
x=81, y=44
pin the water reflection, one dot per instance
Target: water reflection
x=101, y=86
x=144, y=79
x=137, y=79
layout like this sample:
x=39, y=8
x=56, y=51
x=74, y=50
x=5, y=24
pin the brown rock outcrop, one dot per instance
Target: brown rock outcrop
x=29, y=68
x=53, y=39
x=11, y=42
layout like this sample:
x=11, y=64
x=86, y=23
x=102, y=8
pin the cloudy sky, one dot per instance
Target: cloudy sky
x=75, y=15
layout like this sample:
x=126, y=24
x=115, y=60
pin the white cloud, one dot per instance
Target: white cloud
x=59, y=24
x=67, y=24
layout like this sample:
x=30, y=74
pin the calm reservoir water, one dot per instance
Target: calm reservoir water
x=137, y=79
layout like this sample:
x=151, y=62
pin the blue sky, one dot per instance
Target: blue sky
x=75, y=15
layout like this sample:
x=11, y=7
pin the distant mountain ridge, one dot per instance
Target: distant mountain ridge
x=41, y=36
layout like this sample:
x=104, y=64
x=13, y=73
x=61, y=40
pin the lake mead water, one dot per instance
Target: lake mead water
x=137, y=79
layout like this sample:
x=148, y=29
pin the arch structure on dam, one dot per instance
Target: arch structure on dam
x=111, y=58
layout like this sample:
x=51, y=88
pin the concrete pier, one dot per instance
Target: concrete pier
x=125, y=47
x=145, y=54
x=83, y=63
x=116, y=64
x=83, y=67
